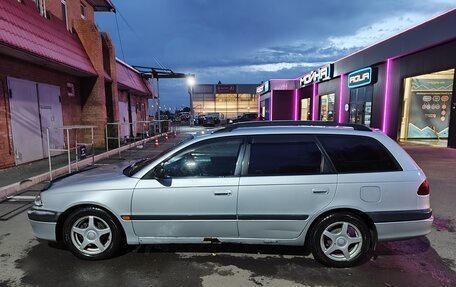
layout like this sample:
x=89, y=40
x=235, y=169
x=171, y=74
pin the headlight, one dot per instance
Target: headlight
x=38, y=201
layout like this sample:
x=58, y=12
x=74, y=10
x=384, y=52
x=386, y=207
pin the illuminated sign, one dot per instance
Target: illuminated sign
x=360, y=78
x=321, y=74
x=263, y=88
x=226, y=89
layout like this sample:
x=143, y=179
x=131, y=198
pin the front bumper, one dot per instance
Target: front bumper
x=44, y=223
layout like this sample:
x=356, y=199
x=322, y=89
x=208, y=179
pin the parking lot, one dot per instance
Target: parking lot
x=426, y=261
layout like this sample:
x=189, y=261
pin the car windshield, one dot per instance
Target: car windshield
x=140, y=164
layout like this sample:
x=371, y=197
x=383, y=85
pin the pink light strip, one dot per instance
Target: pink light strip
x=296, y=106
x=387, y=92
x=271, y=104
x=259, y=105
x=314, y=102
x=341, y=98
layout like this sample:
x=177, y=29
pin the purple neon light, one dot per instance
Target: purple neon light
x=387, y=91
x=296, y=105
x=259, y=105
x=341, y=98
x=314, y=104
x=271, y=105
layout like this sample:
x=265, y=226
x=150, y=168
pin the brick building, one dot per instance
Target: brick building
x=57, y=69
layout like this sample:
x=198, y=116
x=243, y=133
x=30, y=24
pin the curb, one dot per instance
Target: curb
x=17, y=187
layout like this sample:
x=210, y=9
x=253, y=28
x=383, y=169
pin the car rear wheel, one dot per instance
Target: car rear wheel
x=340, y=240
x=91, y=233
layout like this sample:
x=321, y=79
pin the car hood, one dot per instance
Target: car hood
x=96, y=178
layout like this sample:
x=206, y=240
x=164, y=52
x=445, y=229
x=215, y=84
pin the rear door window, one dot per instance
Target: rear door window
x=356, y=154
x=284, y=155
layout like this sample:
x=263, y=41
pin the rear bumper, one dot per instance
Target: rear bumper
x=403, y=229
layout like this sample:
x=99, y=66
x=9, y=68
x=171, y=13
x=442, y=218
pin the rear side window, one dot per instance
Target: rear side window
x=356, y=154
x=279, y=157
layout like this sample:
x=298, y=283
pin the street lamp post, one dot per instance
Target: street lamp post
x=191, y=83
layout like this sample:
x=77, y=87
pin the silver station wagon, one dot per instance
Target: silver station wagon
x=339, y=189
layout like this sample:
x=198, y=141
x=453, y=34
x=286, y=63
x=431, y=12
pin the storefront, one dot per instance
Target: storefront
x=229, y=100
x=402, y=86
x=276, y=97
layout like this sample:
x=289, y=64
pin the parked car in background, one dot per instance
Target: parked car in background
x=200, y=120
x=246, y=117
x=337, y=189
x=210, y=121
x=183, y=116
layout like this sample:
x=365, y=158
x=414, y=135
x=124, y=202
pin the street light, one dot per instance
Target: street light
x=191, y=81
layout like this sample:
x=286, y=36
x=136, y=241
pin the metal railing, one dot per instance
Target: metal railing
x=67, y=147
x=118, y=134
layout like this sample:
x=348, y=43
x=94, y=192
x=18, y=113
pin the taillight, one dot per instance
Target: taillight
x=424, y=188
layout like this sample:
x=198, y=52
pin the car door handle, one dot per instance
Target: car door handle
x=320, y=190
x=222, y=193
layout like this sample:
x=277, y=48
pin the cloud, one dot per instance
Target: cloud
x=377, y=31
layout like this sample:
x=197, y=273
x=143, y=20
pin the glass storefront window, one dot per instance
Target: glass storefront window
x=427, y=106
x=203, y=103
x=230, y=105
x=327, y=107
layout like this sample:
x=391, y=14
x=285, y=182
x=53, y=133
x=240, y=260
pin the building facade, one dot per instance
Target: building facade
x=403, y=85
x=229, y=100
x=57, y=69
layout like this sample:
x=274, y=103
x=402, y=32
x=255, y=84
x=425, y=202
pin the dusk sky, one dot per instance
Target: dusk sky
x=249, y=41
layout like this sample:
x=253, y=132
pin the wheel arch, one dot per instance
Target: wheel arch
x=356, y=212
x=63, y=217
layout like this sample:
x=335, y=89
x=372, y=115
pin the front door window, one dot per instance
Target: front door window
x=212, y=159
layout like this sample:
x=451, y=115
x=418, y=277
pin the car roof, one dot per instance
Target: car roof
x=285, y=124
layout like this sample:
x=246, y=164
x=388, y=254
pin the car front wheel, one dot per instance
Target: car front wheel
x=91, y=233
x=340, y=240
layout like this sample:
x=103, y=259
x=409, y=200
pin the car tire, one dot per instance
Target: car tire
x=340, y=240
x=91, y=233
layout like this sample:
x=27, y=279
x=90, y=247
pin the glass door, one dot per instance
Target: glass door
x=305, y=110
x=361, y=105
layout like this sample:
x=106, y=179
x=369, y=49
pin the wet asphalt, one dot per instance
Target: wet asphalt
x=425, y=261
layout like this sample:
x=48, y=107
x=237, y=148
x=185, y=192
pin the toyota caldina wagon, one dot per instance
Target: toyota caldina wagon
x=337, y=189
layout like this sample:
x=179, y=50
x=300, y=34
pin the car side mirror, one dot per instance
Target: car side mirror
x=159, y=172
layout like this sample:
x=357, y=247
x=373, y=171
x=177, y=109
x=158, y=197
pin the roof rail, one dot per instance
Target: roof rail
x=231, y=127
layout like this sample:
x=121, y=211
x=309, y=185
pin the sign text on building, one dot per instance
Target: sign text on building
x=225, y=89
x=360, y=78
x=321, y=74
x=263, y=88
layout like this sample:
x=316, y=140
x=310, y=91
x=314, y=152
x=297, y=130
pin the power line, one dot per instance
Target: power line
x=136, y=34
x=120, y=39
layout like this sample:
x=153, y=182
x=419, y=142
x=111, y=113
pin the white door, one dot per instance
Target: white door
x=123, y=120
x=287, y=181
x=196, y=198
x=25, y=122
x=51, y=116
